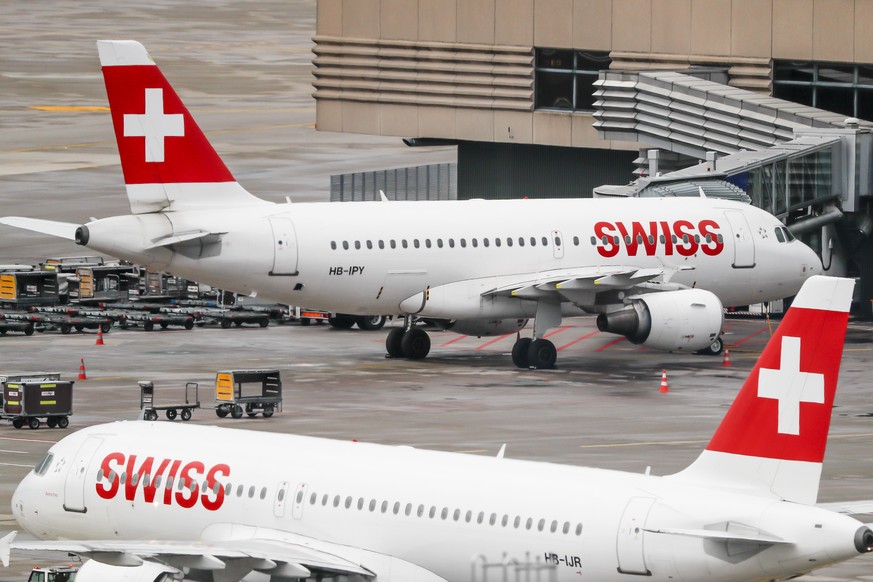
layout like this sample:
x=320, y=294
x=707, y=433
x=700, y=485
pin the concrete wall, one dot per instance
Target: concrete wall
x=463, y=69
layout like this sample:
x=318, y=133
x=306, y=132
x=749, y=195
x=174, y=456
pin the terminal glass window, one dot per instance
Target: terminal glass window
x=565, y=78
x=838, y=87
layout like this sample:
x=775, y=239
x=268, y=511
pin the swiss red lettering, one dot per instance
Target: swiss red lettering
x=109, y=473
x=147, y=475
x=605, y=233
x=713, y=244
x=679, y=237
x=214, y=488
x=686, y=245
x=189, y=481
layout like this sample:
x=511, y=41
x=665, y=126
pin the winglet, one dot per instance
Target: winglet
x=774, y=435
x=502, y=451
x=6, y=547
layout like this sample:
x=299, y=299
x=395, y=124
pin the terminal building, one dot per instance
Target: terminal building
x=765, y=100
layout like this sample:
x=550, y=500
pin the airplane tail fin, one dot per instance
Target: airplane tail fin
x=773, y=437
x=167, y=161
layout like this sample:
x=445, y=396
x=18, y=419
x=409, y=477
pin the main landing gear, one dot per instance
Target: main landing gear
x=407, y=342
x=540, y=354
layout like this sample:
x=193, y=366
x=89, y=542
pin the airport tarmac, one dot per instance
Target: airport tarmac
x=244, y=70
x=602, y=407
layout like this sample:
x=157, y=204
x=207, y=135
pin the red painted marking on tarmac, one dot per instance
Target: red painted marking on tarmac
x=494, y=341
x=578, y=339
x=750, y=336
x=610, y=344
x=557, y=331
x=457, y=339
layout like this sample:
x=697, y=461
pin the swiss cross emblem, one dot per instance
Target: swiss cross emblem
x=154, y=125
x=790, y=386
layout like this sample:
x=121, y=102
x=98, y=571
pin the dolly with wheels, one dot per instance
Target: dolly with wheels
x=32, y=402
x=249, y=392
x=171, y=411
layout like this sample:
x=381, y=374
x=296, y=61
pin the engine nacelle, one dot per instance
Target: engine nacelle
x=690, y=319
x=481, y=327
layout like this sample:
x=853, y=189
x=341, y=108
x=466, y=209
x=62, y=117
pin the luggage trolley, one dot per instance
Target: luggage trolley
x=150, y=411
x=231, y=399
x=28, y=402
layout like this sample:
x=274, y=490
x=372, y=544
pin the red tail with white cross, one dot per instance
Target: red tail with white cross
x=774, y=435
x=166, y=159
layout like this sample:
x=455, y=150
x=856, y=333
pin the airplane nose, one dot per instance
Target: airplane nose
x=20, y=505
x=812, y=264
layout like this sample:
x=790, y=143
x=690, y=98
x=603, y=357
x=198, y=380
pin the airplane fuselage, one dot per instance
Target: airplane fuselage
x=461, y=517
x=369, y=257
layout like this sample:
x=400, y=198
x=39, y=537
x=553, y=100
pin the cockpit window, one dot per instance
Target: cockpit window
x=783, y=234
x=43, y=465
x=788, y=236
x=779, y=236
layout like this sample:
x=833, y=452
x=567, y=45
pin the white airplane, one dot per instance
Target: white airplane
x=145, y=498
x=655, y=270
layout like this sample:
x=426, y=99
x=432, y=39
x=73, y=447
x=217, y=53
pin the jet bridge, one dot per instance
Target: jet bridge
x=811, y=168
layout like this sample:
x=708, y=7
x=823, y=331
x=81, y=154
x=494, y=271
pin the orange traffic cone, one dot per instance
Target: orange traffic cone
x=727, y=359
x=664, y=387
x=82, y=375
x=99, y=341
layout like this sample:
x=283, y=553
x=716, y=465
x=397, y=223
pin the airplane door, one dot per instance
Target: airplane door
x=744, y=245
x=557, y=244
x=629, y=542
x=281, y=499
x=299, y=501
x=284, y=247
x=74, y=486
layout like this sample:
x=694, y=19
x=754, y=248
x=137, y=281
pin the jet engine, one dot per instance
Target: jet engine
x=481, y=327
x=690, y=319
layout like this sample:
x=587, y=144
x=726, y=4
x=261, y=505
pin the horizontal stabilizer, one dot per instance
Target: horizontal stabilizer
x=849, y=507
x=65, y=230
x=200, y=235
x=725, y=536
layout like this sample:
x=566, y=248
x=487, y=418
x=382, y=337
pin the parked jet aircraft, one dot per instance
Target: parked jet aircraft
x=655, y=270
x=172, y=498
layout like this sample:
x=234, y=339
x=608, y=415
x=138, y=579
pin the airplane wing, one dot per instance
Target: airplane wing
x=581, y=285
x=283, y=556
x=65, y=230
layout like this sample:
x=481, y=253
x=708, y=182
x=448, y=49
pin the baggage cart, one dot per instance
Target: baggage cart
x=27, y=403
x=26, y=377
x=150, y=411
x=249, y=391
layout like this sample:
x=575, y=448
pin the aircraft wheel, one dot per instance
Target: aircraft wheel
x=714, y=349
x=236, y=411
x=63, y=422
x=186, y=414
x=393, y=343
x=341, y=321
x=268, y=410
x=33, y=423
x=541, y=354
x=371, y=322
x=519, y=352
x=171, y=414
x=415, y=344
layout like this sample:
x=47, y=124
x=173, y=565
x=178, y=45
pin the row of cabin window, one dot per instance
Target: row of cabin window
x=313, y=499
x=428, y=243
x=456, y=515
x=180, y=484
x=521, y=241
